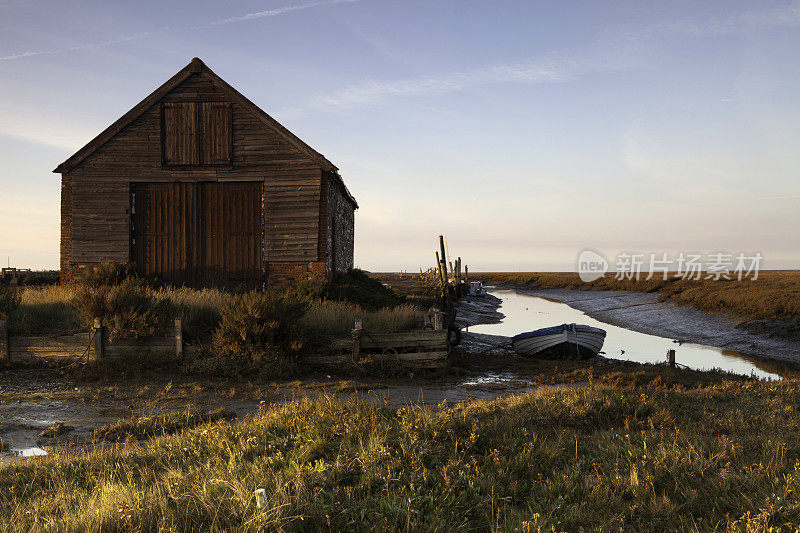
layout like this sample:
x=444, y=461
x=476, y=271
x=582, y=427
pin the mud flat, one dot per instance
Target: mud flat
x=643, y=312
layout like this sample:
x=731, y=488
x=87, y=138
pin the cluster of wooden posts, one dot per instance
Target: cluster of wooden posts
x=453, y=282
x=93, y=345
x=426, y=347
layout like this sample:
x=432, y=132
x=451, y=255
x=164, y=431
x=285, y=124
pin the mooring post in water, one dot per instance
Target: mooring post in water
x=671, y=358
x=5, y=349
x=99, y=339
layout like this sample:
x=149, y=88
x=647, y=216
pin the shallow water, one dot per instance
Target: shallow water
x=525, y=313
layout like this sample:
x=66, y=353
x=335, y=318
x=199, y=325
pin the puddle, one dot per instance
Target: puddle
x=526, y=313
x=497, y=378
x=30, y=452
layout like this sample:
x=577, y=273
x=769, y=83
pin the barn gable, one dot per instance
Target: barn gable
x=211, y=87
x=221, y=137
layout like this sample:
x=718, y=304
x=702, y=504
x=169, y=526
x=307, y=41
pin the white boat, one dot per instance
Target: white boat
x=565, y=341
x=476, y=289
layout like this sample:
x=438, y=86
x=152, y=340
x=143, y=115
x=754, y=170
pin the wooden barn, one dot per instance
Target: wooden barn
x=200, y=187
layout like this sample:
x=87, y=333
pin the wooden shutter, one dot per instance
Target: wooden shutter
x=216, y=133
x=179, y=133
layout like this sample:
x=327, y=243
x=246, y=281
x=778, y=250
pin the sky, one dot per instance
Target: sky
x=524, y=131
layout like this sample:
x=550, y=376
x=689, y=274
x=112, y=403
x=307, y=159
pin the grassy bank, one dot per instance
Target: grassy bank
x=774, y=295
x=720, y=457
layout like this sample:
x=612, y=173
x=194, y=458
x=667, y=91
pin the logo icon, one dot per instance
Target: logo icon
x=591, y=266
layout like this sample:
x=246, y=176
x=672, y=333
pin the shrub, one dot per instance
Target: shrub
x=257, y=332
x=312, y=289
x=354, y=286
x=9, y=301
x=105, y=274
x=129, y=309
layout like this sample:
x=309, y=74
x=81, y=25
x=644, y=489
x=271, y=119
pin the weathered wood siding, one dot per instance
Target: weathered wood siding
x=100, y=229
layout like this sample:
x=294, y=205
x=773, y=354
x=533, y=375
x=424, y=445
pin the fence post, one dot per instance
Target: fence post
x=178, y=338
x=99, y=339
x=357, y=340
x=671, y=358
x=5, y=349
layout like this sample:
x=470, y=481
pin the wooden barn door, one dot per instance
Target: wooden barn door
x=198, y=234
x=233, y=234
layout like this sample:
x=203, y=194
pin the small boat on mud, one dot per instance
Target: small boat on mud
x=567, y=341
x=476, y=289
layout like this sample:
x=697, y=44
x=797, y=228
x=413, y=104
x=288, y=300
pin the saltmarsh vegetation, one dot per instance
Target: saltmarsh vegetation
x=724, y=457
x=244, y=332
x=774, y=295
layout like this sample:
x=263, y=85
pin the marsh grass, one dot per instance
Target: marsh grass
x=49, y=310
x=774, y=295
x=199, y=310
x=148, y=426
x=46, y=310
x=723, y=457
x=329, y=319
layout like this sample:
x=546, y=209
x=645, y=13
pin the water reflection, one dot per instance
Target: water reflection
x=525, y=313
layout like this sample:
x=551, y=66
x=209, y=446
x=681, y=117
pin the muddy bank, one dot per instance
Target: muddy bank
x=643, y=312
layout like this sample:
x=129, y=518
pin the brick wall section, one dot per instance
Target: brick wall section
x=66, y=228
x=284, y=274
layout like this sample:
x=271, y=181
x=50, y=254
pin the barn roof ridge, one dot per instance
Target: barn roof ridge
x=196, y=66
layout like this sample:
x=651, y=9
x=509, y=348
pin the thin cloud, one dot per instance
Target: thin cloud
x=221, y=22
x=618, y=55
x=271, y=13
x=786, y=16
x=546, y=71
x=794, y=197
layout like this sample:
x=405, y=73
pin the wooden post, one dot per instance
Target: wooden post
x=99, y=339
x=671, y=358
x=444, y=256
x=357, y=340
x=466, y=274
x=5, y=349
x=442, y=277
x=178, y=338
x=438, y=320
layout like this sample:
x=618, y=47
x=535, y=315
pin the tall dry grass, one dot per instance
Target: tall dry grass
x=199, y=309
x=594, y=458
x=329, y=318
x=49, y=310
x=46, y=310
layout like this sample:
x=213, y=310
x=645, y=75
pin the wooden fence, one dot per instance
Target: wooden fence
x=92, y=345
x=422, y=348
